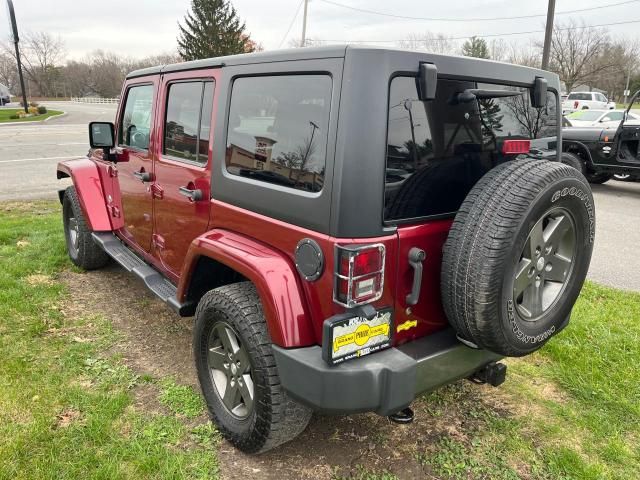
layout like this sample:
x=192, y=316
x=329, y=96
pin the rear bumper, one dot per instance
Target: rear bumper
x=383, y=382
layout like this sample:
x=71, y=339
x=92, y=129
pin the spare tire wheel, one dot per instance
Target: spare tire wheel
x=517, y=255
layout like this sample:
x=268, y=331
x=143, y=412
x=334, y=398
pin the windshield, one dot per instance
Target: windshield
x=579, y=96
x=585, y=115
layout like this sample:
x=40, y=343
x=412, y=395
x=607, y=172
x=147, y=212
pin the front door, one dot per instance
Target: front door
x=183, y=167
x=134, y=162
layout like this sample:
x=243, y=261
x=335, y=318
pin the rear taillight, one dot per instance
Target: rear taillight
x=575, y=104
x=515, y=147
x=359, y=274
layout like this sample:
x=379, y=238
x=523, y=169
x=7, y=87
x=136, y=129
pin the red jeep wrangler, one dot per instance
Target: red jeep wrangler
x=350, y=226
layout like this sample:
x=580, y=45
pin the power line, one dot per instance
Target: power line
x=485, y=36
x=442, y=19
x=291, y=24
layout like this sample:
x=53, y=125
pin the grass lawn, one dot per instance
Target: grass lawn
x=5, y=113
x=636, y=106
x=68, y=402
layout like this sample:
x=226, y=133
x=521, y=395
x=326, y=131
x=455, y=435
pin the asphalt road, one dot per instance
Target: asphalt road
x=29, y=154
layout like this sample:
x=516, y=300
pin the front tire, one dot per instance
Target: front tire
x=238, y=374
x=81, y=248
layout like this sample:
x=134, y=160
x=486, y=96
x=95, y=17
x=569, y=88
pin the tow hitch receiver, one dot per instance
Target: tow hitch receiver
x=494, y=374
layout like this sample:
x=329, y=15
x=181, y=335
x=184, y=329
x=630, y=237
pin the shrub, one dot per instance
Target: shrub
x=33, y=104
x=15, y=116
x=22, y=114
x=42, y=110
x=33, y=110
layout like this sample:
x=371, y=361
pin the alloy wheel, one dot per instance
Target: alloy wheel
x=230, y=370
x=545, y=265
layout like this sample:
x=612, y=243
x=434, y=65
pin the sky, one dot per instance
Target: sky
x=148, y=27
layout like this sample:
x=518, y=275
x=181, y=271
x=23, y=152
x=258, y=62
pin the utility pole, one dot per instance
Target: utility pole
x=547, y=34
x=16, y=39
x=626, y=89
x=304, y=24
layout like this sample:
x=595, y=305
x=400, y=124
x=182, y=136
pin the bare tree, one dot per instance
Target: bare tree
x=527, y=54
x=42, y=56
x=430, y=42
x=8, y=72
x=577, y=53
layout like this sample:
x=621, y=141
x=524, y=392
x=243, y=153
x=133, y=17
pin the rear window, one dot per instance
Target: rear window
x=579, y=96
x=437, y=150
x=278, y=129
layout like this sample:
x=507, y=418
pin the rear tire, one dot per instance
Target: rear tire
x=598, y=178
x=573, y=160
x=517, y=255
x=232, y=315
x=81, y=248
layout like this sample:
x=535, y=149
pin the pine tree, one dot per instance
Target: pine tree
x=212, y=29
x=475, y=47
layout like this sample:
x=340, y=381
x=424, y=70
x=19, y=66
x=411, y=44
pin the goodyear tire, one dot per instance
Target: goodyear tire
x=81, y=248
x=573, y=160
x=517, y=255
x=238, y=374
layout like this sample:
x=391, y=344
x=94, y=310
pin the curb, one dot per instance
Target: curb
x=34, y=121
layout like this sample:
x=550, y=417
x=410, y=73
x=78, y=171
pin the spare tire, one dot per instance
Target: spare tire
x=517, y=255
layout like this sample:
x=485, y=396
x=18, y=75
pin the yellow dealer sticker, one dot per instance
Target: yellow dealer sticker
x=346, y=337
x=361, y=336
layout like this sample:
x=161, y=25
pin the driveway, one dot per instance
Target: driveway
x=30, y=152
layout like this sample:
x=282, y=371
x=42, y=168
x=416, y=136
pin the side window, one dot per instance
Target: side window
x=135, y=126
x=277, y=129
x=188, y=120
x=614, y=116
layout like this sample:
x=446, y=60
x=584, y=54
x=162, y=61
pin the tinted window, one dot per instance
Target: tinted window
x=188, y=120
x=278, y=129
x=136, y=118
x=579, y=96
x=438, y=150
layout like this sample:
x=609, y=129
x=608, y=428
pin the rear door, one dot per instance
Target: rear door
x=135, y=161
x=182, y=186
x=436, y=152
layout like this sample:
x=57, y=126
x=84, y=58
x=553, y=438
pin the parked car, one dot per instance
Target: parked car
x=602, y=153
x=598, y=118
x=5, y=95
x=586, y=100
x=350, y=226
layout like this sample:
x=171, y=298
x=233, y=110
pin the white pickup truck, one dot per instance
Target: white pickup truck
x=586, y=100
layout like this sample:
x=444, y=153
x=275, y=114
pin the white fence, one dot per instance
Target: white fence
x=94, y=100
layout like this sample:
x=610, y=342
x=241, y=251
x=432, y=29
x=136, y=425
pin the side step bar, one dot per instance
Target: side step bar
x=130, y=261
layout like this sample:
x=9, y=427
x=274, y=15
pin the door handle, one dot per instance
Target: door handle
x=416, y=257
x=193, y=195
x=142, y=176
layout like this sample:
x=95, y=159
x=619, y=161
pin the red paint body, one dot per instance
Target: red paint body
x=171, y=233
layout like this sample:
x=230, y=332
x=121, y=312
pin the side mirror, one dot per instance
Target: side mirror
x=101, y=135
x=428, y=81
x=539, y=93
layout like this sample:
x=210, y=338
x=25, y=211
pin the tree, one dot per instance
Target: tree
x=430, y=42
x=475, y=47
x=212, y=29
x=8, y=72
x=577, y=53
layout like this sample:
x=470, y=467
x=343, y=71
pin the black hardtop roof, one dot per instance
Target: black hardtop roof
x=339, y=51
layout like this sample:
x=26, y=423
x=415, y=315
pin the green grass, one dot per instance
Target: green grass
x=576, y=404
x=66, y=407
x=622, y=106
x=569, y=412
x=5, y=113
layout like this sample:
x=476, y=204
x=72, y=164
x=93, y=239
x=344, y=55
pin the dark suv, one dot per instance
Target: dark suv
x=350, y=226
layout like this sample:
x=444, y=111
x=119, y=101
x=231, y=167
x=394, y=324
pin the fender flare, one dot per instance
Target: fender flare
x=86, y=179
x=271, y=272
x=581, y=146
